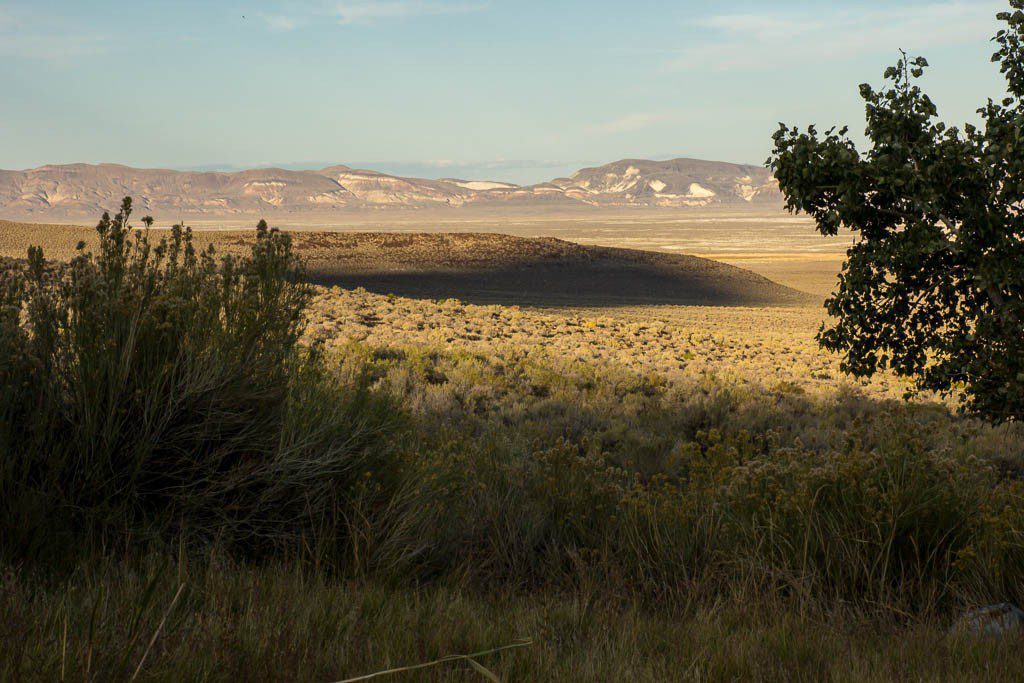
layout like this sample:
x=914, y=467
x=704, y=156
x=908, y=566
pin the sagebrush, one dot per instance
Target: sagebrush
x=148, y=389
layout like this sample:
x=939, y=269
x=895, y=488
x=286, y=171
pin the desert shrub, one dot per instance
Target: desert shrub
x=14, y=361
x=526, y=515
x=148, y=387
x=701, y=489
x=991, y=562
x=884, y=524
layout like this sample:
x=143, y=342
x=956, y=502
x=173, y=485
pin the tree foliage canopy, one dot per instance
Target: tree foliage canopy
x=933, y=288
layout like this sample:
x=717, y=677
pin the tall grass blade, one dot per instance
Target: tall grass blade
x=470, y=658
x=156, y=634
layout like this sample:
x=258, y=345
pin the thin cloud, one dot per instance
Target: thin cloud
x=25, y=34
x=631, y=123
x=296, y=15
x=370, y=11
x=281, y=22
x=493, y=164
x=767, y=40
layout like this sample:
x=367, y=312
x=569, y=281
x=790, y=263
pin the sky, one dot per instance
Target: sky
x=518, y=90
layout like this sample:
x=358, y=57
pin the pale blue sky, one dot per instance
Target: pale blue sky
x=519, y=90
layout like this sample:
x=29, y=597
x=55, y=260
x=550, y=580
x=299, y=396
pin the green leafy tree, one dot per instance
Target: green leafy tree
x=933, y=288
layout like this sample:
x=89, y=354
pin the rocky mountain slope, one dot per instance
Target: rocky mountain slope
x=678, y=182
x=85, y=190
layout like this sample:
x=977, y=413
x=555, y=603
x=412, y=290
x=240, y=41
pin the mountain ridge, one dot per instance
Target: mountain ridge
x=84, y=190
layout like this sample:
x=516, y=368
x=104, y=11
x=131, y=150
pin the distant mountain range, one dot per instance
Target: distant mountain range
x=85, y=190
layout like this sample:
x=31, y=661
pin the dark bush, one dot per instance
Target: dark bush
x=149, y=387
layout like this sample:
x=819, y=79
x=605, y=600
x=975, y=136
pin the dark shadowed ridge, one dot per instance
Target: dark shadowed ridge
x=479, y=268
x=491, y=268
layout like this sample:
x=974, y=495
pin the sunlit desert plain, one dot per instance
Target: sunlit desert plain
x=431, y=281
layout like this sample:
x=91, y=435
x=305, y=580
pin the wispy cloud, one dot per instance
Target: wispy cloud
x=368, y=11
x=770, y=39
x=492, y=164
x=631, y=123
x=26, y=34
x=281, y=22
x=348, y=12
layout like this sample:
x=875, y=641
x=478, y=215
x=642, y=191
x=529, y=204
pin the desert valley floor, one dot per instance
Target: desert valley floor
x=424, y=280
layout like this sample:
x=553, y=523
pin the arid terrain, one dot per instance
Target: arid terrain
x=61, y=192
x=770, y=242
x=453, y=340
x=576, y=438
x=642, y=303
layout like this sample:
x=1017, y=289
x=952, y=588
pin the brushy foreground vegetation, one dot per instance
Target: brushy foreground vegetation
x=188, y=486
x=233, y=623
x=149, y=389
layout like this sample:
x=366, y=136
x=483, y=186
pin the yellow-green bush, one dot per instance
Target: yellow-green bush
x=839, y=498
